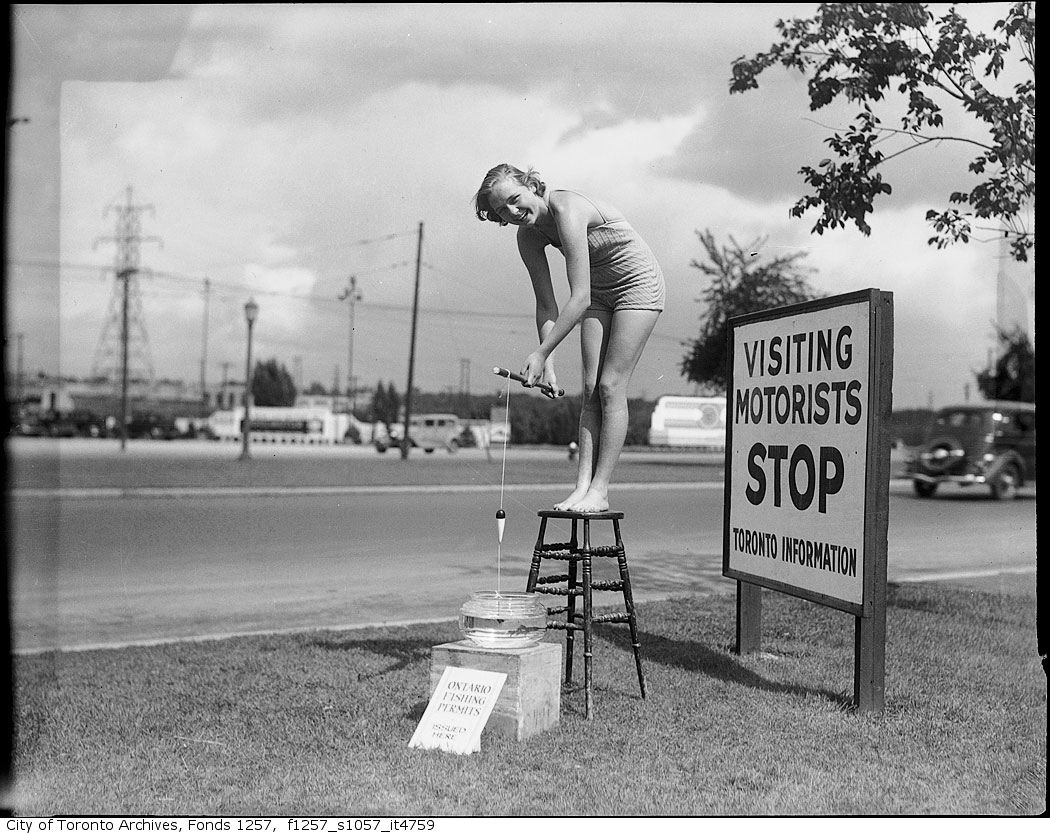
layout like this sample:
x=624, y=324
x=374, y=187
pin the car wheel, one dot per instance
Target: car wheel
x=1004, y=484
x=453, y=446
x=924, y=489
x=429, y=451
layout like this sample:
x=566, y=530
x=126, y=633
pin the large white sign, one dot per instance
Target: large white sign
x=799, y=427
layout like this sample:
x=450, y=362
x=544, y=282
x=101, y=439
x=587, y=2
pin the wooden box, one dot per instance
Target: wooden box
x=530, y=701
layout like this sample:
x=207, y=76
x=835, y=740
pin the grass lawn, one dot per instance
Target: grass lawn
x=318, y=723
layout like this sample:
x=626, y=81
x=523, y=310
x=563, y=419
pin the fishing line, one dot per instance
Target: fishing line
x=501, y=516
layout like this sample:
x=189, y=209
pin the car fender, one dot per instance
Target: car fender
x=1003, y=460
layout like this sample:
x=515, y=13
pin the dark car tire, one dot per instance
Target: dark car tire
x=1004, y=484
x=924, y=489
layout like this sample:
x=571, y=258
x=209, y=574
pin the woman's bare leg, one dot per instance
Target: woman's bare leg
x=627, y=334
x=594, y=337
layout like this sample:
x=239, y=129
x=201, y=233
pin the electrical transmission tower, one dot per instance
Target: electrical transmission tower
x=123, y=354
x=464, y=385
x=464, y=377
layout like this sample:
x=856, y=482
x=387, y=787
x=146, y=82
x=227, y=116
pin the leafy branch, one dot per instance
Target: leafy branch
x=862, y=51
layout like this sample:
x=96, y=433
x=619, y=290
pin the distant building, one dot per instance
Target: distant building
x=499, y=430
x=224, y=395
x=166, y=397
x=336, y=403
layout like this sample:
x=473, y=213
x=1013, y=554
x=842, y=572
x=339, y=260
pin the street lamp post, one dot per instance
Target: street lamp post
x=251, y=312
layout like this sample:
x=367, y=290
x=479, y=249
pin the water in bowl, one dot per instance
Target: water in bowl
x=503, y=620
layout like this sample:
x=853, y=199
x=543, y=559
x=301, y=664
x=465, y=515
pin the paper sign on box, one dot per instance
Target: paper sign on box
x=458, y=710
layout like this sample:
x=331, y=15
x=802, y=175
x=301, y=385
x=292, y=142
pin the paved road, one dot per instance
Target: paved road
x=142, y=563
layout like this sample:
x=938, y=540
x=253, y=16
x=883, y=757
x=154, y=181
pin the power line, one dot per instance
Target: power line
x=335, y=246
x=196, y=279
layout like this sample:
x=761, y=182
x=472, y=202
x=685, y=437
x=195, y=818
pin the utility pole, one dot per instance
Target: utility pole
x=405, y=441
x=204, y=352
x=351, y=295
x=225, y=382
x=127, y=238
x=20, y=372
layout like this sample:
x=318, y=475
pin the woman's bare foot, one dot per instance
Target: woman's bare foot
x=592, y=502
x=567, y=504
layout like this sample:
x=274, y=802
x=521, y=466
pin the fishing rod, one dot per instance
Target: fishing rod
x=543, y=386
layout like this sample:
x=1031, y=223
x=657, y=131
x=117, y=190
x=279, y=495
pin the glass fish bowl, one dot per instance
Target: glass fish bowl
x=503, y=620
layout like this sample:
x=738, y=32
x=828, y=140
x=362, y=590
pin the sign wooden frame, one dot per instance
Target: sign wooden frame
x=870, y=612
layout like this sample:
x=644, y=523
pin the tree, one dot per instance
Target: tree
x=378, y=402
x=272, y=384
x=1013, y=375
x=858, y=51
x=386, y=403
x=316, y=388
x=740, y=283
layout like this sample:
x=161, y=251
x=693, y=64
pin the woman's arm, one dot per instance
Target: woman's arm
x=531, y=248
x=571, y=217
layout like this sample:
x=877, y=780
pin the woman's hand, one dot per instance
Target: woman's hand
x=533, y=369
x=550, y=379
x=540, y=371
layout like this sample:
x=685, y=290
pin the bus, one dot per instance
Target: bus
x=278, y=424
x=693, y=422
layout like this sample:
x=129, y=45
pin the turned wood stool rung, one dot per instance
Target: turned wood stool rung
x=579, y=555
x=550, y=580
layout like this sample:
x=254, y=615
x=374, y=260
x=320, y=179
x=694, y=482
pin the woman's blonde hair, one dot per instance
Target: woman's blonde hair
x=503, y=171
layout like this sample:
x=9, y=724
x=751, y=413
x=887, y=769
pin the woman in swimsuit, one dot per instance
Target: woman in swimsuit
x=616, y=293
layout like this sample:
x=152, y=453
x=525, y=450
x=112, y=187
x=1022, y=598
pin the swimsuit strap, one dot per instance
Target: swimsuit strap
x=589, y=200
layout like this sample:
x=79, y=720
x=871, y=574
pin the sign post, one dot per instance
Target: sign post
x=807, y=467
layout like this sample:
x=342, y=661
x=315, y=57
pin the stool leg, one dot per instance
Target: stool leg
x=537, y=555
x=570, y=605
x=628, y=599
x=587, y=614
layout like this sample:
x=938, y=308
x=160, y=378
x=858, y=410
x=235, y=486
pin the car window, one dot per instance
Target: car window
x=960, y=420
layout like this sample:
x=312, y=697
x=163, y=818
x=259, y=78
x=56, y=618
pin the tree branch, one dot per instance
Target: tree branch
x=923, y=140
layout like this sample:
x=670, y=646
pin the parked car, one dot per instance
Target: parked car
x=61, y=425
x=28, y=425
x=427, y=431
x=88, y=424
x=151, y=426
x=992, y=444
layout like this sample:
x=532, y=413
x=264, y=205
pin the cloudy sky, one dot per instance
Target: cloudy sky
x=281, y=149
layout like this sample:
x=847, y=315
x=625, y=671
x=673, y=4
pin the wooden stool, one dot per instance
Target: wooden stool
x=573, y=553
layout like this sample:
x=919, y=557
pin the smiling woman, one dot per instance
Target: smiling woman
x=616, y=294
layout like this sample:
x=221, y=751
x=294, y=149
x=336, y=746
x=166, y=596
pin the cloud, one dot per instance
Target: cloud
x=633, y=144
x=298, y=145
x=136, y=42
x=632, y=59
